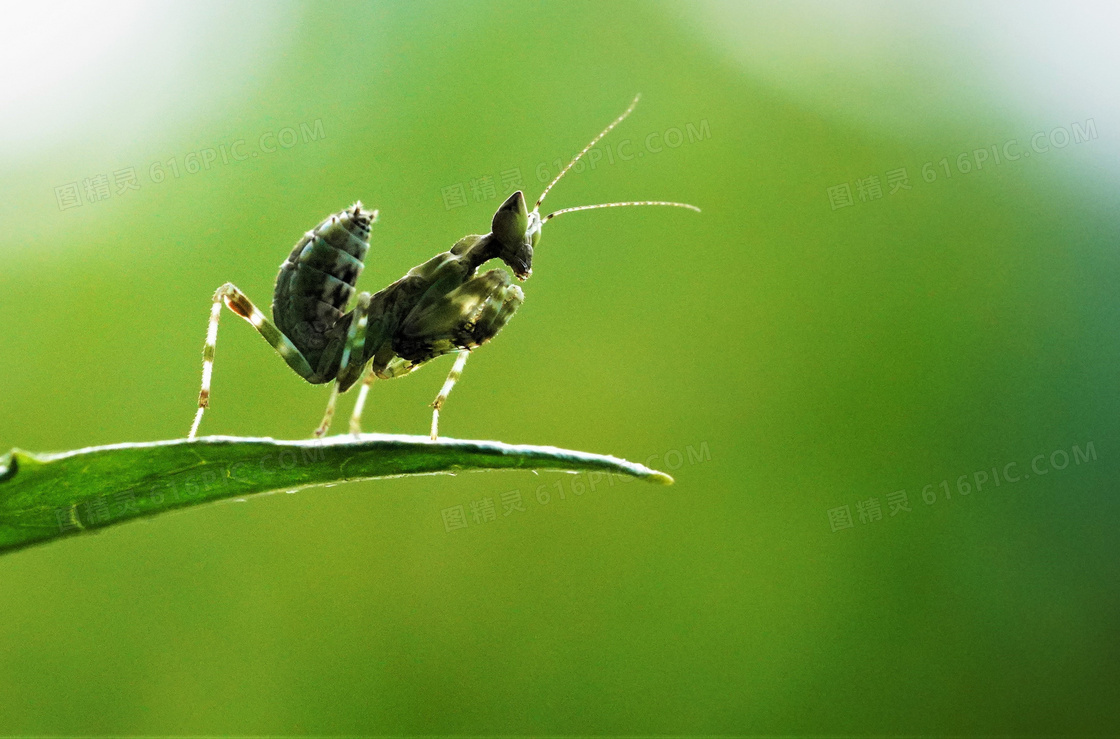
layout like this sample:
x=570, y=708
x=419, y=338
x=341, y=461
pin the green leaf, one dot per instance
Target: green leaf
x=49, y=496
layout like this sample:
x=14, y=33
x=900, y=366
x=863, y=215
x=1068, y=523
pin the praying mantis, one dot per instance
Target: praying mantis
x=443, y=306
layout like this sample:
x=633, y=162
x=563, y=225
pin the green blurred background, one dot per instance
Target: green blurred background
x=783, y=354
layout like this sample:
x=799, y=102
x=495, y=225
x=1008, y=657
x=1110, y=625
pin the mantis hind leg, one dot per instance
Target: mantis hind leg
x=240, y=304
x=452, y=377
x=351, y=364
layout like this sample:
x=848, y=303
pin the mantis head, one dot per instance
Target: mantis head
x=516, y=232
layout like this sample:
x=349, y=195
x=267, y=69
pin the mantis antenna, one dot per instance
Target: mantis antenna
x=562, y=211
x=576, y=158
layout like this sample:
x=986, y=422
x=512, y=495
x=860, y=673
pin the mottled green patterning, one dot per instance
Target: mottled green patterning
x=443, y=306
x=315, y=285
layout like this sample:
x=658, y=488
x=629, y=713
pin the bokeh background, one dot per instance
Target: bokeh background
x=794, y=356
